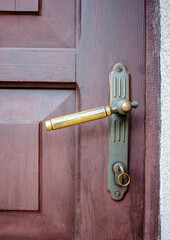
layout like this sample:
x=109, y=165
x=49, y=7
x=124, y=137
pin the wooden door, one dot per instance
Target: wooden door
x=55, y=58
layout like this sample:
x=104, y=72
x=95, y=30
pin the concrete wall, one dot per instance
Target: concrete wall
x=165, y=120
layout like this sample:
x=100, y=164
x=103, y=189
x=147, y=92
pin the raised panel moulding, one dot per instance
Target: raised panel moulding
x=19, y=160
x=19, y=5
x=37, y=65
x=21, y=116
x=26, y=6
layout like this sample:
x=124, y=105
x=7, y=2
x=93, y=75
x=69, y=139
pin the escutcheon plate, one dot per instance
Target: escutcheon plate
x=118, y=129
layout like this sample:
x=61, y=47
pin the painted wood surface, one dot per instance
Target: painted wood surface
x=117, y=34
x=53, y=27
x=19, y=160
x=19, y=5
x=26, y=6
x=7, y=5
x=152, y=174
x=37, y=65
x=44, y=59
x=24, y=175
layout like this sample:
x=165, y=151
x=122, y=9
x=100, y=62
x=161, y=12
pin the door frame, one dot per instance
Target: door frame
x=152, y=121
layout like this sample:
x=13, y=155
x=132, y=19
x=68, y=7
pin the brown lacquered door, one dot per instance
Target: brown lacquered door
x=55, y=57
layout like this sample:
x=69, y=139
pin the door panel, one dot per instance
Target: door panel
x=37, y=168
x=53, y=28
x=19, y=161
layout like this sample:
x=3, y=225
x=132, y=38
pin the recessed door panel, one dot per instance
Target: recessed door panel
x=19, y=160
x=37, y=171
x=53, y=27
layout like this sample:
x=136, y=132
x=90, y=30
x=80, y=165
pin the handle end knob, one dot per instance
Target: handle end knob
x=134, y=104
x=48, y=125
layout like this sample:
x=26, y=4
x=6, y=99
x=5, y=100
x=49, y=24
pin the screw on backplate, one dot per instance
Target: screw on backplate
x=117, y=194
x=119, y=69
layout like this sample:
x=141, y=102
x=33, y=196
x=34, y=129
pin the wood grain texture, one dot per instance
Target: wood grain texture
x=53, y=28
x=55, y=219
x=152, y=182
x=29, y=105
x=73, y=195
x=111, y=31
x=19, y=160
x=58, y=173
x=26, y=6
x=7, y=5
x=37, y=65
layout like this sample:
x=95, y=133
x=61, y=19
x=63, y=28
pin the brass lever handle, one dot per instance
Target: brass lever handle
x=121, y=107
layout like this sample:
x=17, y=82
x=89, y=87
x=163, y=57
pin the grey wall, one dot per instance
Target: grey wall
x=165, y=120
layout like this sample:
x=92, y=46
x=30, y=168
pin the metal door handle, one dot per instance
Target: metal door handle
x=121, y=107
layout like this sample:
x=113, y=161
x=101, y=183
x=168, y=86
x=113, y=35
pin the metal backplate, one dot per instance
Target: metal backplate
x=118, y=129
